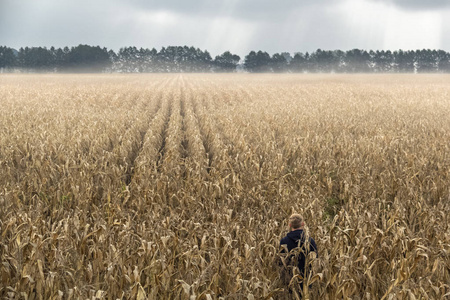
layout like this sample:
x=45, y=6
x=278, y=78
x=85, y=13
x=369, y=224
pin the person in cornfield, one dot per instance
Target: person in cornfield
x=296, y=246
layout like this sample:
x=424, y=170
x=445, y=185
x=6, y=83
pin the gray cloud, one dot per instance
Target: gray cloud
x=418, y=4
x=235, y=25
x=57, y=23
x=264, y=10
x=446, y=32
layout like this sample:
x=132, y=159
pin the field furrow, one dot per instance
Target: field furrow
x=198, y=163
x=148, y=161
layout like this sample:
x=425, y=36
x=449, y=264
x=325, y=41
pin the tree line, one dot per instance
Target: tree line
x=85, y=58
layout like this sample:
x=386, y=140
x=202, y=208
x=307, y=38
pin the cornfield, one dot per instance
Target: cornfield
x=180, y=186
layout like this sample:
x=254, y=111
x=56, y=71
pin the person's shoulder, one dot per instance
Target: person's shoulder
x=284, y=240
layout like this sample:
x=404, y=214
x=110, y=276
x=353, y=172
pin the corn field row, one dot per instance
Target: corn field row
x=180, y=186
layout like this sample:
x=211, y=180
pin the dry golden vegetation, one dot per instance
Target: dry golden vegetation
x=180, y=186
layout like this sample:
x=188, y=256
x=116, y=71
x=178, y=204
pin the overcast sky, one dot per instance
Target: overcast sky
x=235, y=25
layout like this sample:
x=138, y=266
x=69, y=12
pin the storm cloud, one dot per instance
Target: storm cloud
x=235, y=25
x=419, y=4
x=263, y=10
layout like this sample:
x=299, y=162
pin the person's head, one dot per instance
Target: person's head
x=296, y=222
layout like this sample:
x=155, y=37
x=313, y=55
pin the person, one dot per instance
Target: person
x=298, y=246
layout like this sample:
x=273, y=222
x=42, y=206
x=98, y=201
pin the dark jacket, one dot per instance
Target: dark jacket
x=296, y=239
